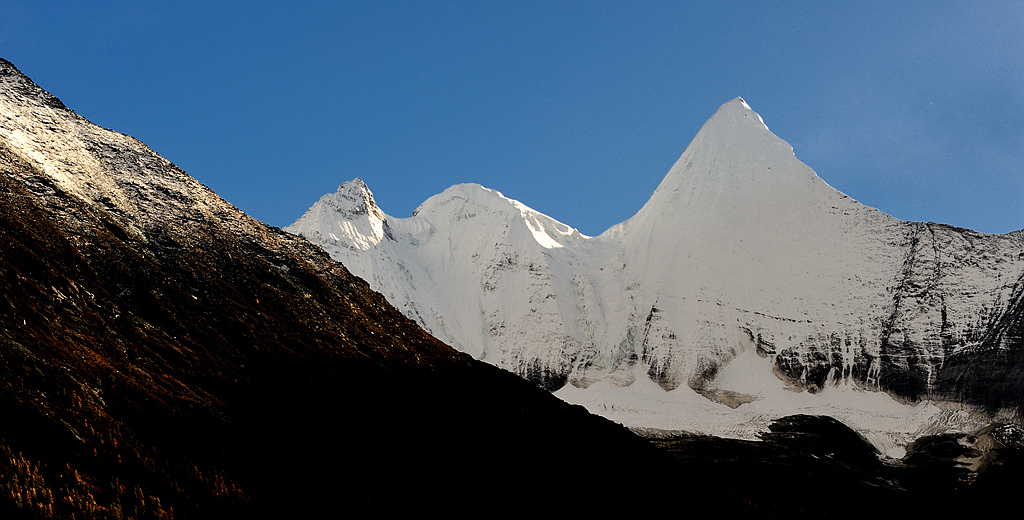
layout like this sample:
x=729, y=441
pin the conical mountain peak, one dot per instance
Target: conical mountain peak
x=355, y=198
x=349, y=217
x=735, y=164
x=738, y=110
x=356, y=183
x=735, y=141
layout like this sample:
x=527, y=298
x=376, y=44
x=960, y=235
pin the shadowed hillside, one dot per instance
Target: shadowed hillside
x=164, y=355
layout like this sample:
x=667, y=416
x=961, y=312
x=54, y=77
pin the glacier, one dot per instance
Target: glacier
x=744, y=290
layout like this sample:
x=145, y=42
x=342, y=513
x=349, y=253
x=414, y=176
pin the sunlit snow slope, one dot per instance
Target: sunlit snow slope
x=742, y=254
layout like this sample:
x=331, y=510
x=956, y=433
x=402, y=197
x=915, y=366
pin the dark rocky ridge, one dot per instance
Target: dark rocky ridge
x=163, y=354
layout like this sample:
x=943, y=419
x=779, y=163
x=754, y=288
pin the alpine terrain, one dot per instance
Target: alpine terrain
x=745, y=289
x=165, y=356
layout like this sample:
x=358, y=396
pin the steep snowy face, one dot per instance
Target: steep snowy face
x=743, y=246
x=355, y=220
x=741, y=251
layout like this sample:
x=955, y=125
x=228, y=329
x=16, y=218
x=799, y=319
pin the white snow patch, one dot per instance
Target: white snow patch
x=887, y=424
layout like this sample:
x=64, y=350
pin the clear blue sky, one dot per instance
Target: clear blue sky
x=577, y=109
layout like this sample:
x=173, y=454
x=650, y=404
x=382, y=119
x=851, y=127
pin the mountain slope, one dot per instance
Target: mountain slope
x=164, y=355
x=741, y=251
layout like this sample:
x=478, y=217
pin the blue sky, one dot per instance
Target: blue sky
x=577, y=109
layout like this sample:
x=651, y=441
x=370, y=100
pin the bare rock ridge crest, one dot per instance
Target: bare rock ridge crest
x=741, y=249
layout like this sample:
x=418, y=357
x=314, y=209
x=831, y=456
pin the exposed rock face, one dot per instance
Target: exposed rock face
x=742, y=247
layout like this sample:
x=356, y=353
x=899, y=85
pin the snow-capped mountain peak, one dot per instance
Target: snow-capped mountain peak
x=736, y=164
x=741, y=251
x=354, y=196
x=350, y=218
x=471, y=201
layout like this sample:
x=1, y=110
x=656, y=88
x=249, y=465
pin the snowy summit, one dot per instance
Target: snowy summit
x=745, y=289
